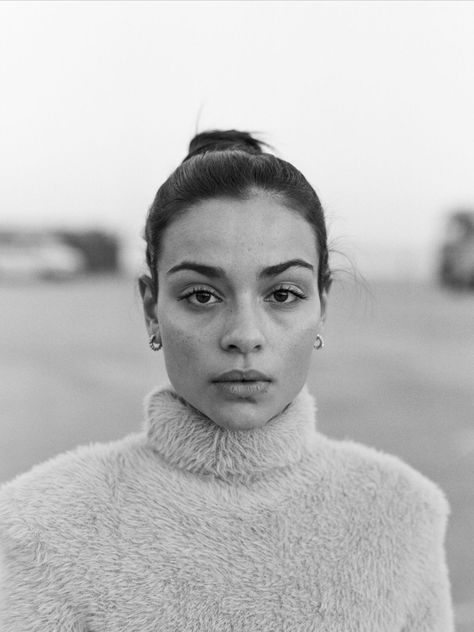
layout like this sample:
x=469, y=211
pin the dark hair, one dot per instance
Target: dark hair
x=232, y=164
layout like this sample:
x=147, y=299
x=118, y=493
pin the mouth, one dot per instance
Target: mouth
x=242, y=384
x=237, y=375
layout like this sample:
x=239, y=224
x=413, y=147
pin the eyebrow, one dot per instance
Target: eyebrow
x=217, y=272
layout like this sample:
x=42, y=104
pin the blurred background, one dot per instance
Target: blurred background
x=374, y=102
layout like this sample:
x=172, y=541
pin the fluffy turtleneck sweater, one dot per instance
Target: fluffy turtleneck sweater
x=189, y=527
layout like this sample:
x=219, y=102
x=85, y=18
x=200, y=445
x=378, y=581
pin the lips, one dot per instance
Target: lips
x=243, y=385
x=242, y=376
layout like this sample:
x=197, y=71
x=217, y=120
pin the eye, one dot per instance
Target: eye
x=283, y=293
x=200, y=296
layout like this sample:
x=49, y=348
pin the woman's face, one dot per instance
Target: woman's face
x=237, y=291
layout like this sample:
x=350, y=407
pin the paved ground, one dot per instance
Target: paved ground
x=396, y=373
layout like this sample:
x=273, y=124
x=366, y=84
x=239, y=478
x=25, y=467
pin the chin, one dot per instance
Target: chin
x=239, y=418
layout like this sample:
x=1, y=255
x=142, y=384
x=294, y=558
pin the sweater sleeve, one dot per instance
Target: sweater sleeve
x=431, y=607
x=33, y=595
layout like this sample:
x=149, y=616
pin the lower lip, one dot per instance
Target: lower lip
x=244, y=389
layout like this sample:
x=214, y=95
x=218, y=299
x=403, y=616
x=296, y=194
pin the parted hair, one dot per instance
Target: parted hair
x=233, y=164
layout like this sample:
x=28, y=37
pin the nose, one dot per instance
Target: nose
x=242, y=331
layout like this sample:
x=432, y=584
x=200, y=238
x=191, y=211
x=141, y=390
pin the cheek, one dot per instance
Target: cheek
x=182, y=347
x=298, y=347
x=300, y=343
x=302, y=332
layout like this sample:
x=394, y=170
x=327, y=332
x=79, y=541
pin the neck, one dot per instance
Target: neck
x=188, y=440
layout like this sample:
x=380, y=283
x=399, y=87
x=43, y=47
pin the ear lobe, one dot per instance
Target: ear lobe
x=145, y=285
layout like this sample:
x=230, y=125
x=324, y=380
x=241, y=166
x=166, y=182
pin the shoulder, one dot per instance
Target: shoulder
x=60, y=492
x=375, y=483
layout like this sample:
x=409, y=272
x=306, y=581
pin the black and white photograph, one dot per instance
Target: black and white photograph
x=236, y=316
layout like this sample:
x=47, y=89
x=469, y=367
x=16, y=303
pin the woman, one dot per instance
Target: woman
x=229, y=511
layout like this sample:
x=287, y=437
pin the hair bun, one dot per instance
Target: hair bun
x=222, y=140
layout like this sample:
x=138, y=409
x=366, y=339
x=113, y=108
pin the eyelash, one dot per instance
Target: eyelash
x=282, y=288
x=197, y=290
x=291, y=290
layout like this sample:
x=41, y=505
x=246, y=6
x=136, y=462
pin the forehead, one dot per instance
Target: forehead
x=248, y=233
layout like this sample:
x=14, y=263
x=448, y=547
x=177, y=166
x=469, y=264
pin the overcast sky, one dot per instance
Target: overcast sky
x=373, y=101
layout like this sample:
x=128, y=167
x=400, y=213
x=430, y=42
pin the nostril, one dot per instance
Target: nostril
x=245, y=339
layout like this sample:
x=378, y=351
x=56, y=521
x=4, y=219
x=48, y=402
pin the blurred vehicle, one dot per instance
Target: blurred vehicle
x=100, y=249
x=456, y=268
x=29, y=256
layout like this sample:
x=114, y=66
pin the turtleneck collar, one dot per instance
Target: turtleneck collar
x=188, y=440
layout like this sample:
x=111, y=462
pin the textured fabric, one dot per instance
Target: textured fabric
x=188, y=440
x=186, y=526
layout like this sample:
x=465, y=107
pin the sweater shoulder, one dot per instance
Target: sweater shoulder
x=78, y=482
x=370, y=475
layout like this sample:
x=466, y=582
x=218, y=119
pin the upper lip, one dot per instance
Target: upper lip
x=237, y=375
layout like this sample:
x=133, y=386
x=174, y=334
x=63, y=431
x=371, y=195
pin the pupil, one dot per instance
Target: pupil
x=202, y=297
x=281, y=295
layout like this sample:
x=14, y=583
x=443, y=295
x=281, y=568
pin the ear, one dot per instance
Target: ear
x=145, y=285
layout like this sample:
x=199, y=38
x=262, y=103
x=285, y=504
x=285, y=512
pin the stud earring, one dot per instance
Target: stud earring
x=319, y=343
x=155, y=342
